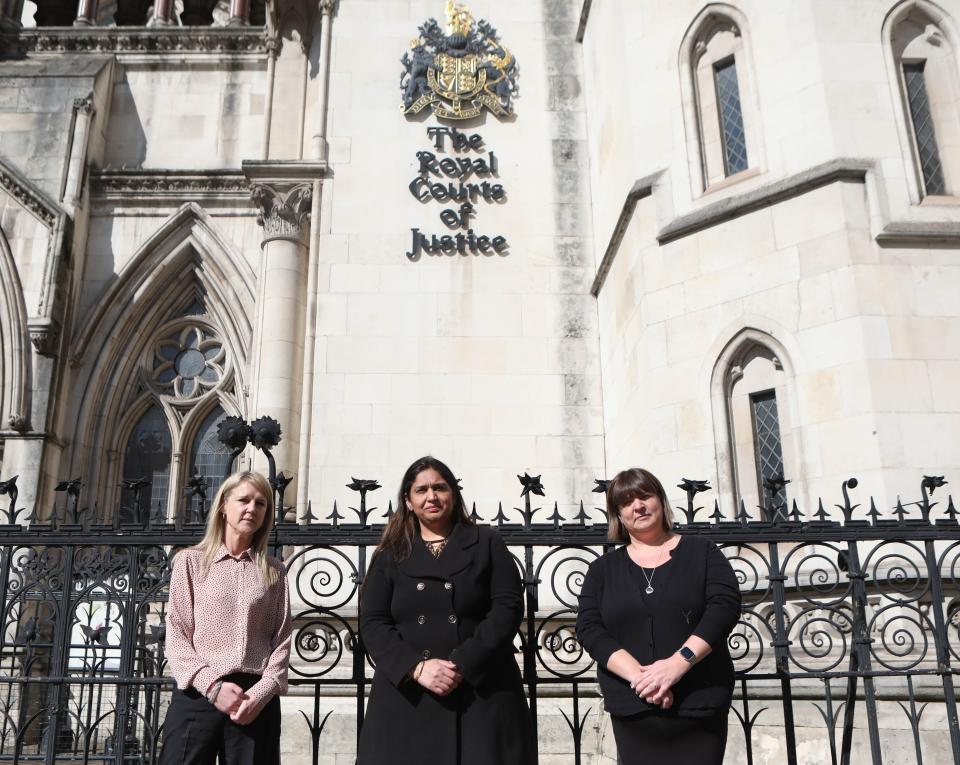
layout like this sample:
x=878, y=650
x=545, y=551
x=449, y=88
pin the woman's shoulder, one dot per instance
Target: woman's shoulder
x=609, y=559
x=191, y=557
x=277, y=564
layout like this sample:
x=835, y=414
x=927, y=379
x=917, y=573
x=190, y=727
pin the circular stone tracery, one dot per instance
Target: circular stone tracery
x=188, y=363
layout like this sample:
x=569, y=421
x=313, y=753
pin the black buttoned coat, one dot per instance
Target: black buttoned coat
x=464, y=606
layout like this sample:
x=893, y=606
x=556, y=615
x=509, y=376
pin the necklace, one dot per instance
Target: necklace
x=435, y=546
x=653, y=572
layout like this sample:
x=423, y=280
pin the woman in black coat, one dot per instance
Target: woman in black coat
x=440, y=607
x=655, y=615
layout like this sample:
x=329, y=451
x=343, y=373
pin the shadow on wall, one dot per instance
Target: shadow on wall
x=126, y=140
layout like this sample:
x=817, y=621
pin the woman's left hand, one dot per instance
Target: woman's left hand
x=658, y=678
x=246, y=713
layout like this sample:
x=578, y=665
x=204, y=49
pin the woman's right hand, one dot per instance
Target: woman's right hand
x=439, y=676
x=229, y=698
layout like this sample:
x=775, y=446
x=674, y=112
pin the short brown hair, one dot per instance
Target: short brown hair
x=627, y=485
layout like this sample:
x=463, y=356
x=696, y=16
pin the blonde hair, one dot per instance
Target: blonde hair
x=213, y=537
x=625, y=487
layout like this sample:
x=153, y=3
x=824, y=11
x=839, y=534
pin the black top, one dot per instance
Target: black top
x=695, y=593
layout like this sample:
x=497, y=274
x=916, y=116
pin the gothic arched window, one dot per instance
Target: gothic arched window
x=717, y=83
x=186, y=381
x=208, y=457
x=147, y=458
x=756, y=378
x=929, y=91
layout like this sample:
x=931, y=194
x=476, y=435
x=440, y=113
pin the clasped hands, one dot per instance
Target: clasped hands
x=232, y=700
x=438, y=676
x=655, y=680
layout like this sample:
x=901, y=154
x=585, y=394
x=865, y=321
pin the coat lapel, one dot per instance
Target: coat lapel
x=456, y=556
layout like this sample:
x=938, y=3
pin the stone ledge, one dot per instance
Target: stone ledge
x=138, y=40
x=127, y=185
x=843, y=169
x=920, y=233
x=641, y=188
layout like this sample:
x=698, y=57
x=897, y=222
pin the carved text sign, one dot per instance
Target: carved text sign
x=458, y=170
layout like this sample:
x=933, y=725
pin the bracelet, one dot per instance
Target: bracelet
x=212, y=698
x=418, y=671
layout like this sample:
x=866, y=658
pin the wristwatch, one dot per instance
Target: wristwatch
x=687, y=654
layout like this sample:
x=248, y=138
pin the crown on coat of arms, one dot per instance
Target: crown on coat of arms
x=460, y=71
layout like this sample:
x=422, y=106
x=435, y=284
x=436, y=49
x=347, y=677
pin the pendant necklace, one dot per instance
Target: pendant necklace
x=653, y=572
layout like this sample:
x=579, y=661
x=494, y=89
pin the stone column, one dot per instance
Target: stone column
x=239, y=13
x=86, y=13
x=162, y=14
x=10, y=11
x=284, y=214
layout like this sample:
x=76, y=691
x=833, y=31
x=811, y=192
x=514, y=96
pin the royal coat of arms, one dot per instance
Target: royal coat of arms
x=459, y=71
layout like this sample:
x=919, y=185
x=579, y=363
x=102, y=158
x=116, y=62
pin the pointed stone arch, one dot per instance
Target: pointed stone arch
x=703, y=47
x=743, y=345
x=15, y=384
x=186, y=261
x=920, y=36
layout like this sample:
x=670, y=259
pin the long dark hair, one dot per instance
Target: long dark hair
x=403, y=527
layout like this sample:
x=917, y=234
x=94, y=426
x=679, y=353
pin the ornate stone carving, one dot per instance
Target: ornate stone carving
x=156, y=40
x=284, y=210
x=327, y=7
x=178, y=185
x=27, y=196
x=83, y=105
x=44, y=334
x=18, y=422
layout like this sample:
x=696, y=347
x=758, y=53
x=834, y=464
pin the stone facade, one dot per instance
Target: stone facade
x=238, y=192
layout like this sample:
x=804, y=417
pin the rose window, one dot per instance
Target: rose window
x=188, y=363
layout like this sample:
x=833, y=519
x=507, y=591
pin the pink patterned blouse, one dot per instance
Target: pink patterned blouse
x=227, y=621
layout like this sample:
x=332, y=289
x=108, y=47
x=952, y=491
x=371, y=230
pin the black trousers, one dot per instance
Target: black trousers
x=195, y=732
x=652, y=737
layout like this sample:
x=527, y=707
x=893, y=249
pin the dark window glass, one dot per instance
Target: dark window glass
x=208, y=457
x=923, y=131
x=147, y=458
x=731, y=117
x=766, y=443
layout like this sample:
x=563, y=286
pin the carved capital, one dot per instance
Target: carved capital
x=18, y=422
x=44, y=334
x=327, y=7
x=284, y=210
x=83, y=105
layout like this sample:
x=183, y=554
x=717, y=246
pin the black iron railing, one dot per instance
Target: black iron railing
x=840, y=615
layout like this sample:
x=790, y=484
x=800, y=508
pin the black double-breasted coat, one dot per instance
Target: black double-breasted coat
x=465, y=606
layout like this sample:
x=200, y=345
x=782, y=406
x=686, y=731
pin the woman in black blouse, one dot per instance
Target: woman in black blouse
x=655, y=615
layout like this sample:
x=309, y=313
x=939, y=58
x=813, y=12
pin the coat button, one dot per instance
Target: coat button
x=448, y=585
x=452, y=619
x=425, y=655
x=421, y=619
x=421, y=586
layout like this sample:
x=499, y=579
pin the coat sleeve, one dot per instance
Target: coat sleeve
x=186, y=665
x=500, y=624
x=381, y=637
x=722, y=595
x=591, y=631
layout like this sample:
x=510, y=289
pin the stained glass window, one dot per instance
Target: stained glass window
x=766, y=442
x=923, y=130
x=731, y=116
x=208, y=457
x=147, y=458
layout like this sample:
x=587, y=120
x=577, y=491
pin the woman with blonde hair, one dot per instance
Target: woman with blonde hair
x=228, y=635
